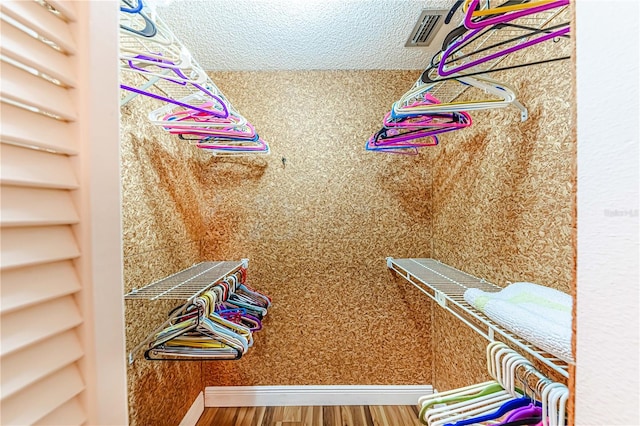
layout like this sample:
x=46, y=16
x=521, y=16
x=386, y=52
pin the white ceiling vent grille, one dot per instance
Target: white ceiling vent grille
x=426, y=28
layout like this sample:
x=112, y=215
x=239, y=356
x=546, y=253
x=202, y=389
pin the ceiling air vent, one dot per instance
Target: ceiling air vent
x=426, y=28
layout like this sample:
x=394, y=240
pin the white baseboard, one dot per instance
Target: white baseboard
x=269, y=396
x=195, y=411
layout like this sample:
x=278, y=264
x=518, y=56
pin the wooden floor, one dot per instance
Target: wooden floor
x=388, y=415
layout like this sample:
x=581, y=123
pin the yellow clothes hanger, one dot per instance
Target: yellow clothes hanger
x=503, y=9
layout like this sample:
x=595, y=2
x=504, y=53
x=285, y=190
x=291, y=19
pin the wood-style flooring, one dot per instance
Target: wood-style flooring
x=356, y=415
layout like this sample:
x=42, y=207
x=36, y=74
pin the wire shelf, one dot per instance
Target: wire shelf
x=188, y=284
x=184, y=286
x=446, y=285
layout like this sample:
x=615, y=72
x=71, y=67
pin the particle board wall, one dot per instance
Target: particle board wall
x=504, y=199
x=316, y=218
x=162, y=226
x=315, y=227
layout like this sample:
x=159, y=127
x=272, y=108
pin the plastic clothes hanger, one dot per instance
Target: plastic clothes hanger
x=502, y=363
x=460, y=30
x=192, y=348
x=237, y=315
x=460, y=395
x=506, y=361
x=501, y=411
x=240, y=289
x=478, y=406
x=172, y=115
x=199, y=332
x=471, y=35
x=428, y=78
x=441, y=416
x=536, y=7
x=407, y=143
x=416, y=126
x=503, y=97
x=524, y=421
x=129, y=8
x=527, y=412
x=204, y=125
x=432, y=120
x=453, y=49
x=129, y=19
x=240, y=316
x=261, y=149
x=229, y=143
x=163, y=45
x=163, y=98
x=245, y=132
x=548, y=418
x=258, y=298
x=153, y=66
x=174, y=330
x=178, y=340
x=212, y=101
x=218, y=328
x=426, y=399
x=558, y=397
x=513, y=6
x=395, y=135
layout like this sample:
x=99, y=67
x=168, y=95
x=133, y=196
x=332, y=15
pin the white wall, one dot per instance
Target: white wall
x=607, y=295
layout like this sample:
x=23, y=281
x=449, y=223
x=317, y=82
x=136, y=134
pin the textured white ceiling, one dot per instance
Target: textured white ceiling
x=236, y=35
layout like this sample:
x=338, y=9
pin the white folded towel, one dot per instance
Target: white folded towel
x=538, y=314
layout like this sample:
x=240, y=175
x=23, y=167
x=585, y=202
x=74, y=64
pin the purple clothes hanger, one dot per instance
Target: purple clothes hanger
x=386, y=136
x=215, y=132
x=170, y=65
x=163, y=98
x=527, y=412
x=456, y=45
x=407, y=146
x=456, y=120
x=506, y=17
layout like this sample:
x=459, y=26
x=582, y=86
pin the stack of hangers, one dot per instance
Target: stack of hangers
x=486, y=36
x=218, y=325
x=518, y=395
x=406, y=127
x=195, y=110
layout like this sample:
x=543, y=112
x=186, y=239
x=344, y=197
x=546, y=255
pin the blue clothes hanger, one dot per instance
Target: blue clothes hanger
x=149, y=29
x=133, y=9
x=504, y=409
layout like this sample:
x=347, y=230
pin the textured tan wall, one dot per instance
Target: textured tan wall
x=162, y=227
x=504, y=199
x=496, y=200
x=316, y=231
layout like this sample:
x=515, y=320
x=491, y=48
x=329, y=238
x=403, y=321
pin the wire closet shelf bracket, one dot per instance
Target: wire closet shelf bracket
x=446, y=285
x=183, y=286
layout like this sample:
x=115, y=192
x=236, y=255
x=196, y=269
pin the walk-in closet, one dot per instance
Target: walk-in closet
x=270, y=213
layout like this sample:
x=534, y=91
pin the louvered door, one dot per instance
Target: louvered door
x=45, y=374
